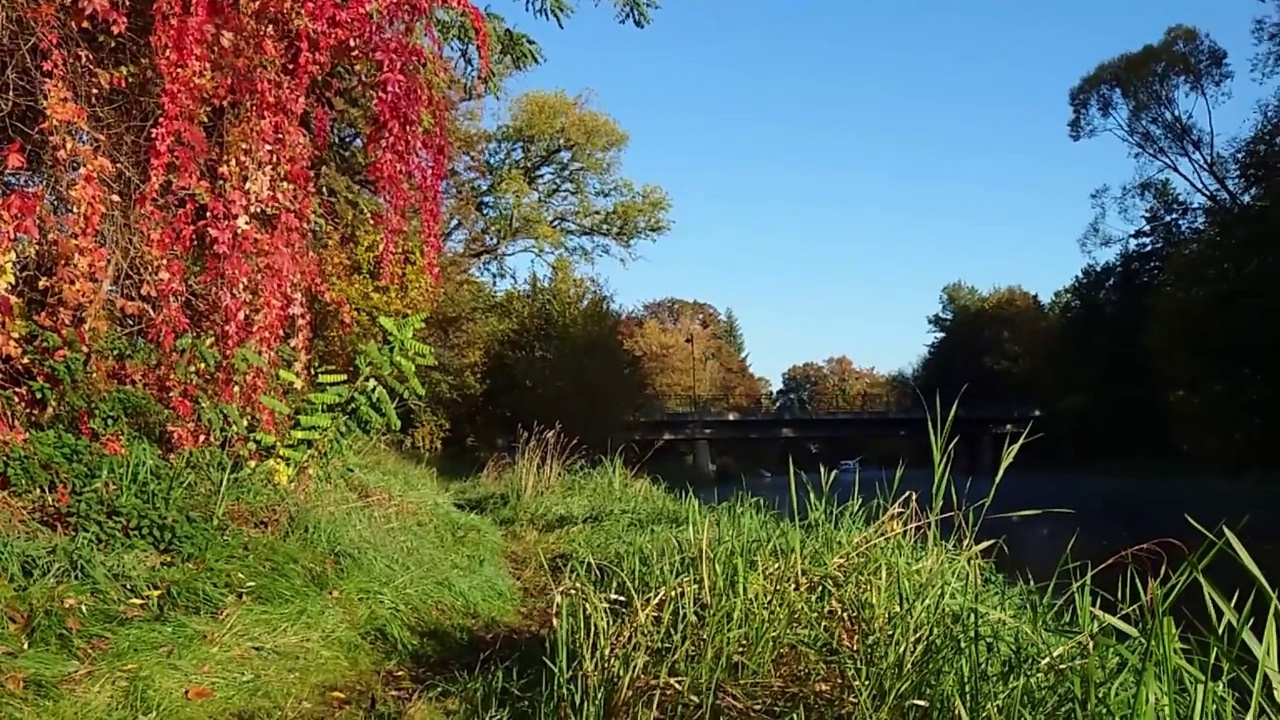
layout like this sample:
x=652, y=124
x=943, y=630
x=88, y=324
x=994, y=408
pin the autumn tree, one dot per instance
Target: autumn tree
x=544, y=182
x=160, y=177
x=685, y=359
x=833, y=385
x=990, y=345
x=537, y=182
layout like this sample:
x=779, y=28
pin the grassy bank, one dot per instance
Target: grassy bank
x=551, y=588
x=662, y=607
x=305, y=605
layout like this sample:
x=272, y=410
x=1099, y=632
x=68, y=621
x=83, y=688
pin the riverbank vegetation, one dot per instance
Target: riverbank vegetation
x=550, y=586
x=320, y=241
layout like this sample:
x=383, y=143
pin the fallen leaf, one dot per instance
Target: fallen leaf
x=136, y=601
x=74, y=624
x=15, y=616
x=196, y=693
x=70, y=603
x=13, y=682
x=338, y=700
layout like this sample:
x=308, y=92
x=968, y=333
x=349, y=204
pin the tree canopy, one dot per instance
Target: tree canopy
x=1156, y=347
x=685, y=358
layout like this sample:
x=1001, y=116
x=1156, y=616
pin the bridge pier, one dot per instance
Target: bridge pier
x=975, y=456
x=702, y=464
x=986, y=460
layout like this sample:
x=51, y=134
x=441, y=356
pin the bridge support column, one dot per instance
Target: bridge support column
x=702, y=459
x=986, y=460
x=961, y=460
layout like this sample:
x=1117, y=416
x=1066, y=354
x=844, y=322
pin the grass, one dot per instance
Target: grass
x=660, y=607
x=550, y=587
x=368, y=572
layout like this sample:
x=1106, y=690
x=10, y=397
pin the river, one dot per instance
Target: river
x=1100, y=516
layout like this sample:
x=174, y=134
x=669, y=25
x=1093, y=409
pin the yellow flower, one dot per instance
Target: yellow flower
x=280, y=473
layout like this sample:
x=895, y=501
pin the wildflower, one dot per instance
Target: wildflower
x=112, y=446
x=280, y=473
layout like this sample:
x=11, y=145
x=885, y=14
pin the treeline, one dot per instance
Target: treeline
x=556, y=349
x=1164, y=344
x=1159, y=347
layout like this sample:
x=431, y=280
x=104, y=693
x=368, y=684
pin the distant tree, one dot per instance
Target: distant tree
x=989, y=344
x=674, y=312
x=731, y=333
x=834, y=384
x=681, y=346
x=561, y=360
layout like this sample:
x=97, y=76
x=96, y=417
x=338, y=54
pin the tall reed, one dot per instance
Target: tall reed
x=876, y=610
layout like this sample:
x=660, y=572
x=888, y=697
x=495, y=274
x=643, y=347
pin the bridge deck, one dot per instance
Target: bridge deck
x=811, y=416
x=695, y=426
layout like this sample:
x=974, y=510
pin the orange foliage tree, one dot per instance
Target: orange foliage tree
x=836, y=384
x=160, y=163
x=685, y=358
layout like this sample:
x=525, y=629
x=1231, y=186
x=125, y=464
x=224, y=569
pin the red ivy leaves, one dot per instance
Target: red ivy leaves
x=227, y=208
x=14, y=158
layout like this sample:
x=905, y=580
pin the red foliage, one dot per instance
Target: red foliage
x=226, y=210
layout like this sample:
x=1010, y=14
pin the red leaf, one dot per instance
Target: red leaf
x=14, y=158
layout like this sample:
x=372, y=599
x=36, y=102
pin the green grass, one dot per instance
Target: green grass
x=665, y=608
x=549, y=587
x=361, y=575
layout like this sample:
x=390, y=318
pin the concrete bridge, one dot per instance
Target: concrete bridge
x=701, y=422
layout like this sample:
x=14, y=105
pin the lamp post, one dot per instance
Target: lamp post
x=693, y=368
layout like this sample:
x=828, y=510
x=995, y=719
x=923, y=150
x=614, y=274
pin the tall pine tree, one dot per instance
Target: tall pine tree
x=731, y=334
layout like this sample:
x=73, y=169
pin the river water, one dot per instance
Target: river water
x=1084, y=517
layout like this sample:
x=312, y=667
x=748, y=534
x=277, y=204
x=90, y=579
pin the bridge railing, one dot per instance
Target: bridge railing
x=684, y=406
x=747, y=405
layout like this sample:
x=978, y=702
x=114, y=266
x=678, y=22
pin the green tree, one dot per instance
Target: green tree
x=1165, y=330
x=1160, y=102
x=545, y=182
x=561, y=361
x=731, y=334
x=990, y=345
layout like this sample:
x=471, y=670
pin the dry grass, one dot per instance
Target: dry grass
x=542, y=459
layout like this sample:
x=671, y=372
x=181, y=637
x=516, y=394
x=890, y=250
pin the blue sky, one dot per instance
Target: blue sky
x=834, y=163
